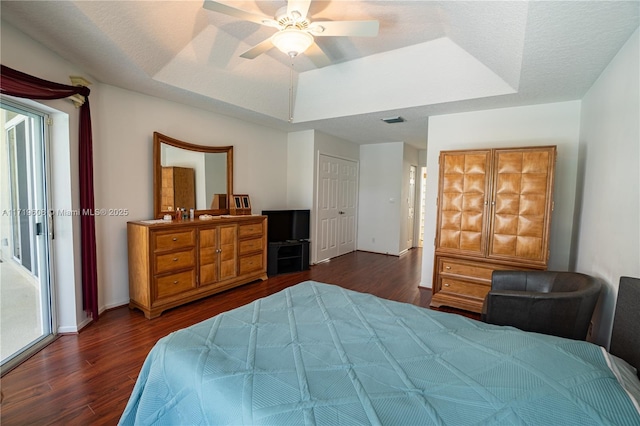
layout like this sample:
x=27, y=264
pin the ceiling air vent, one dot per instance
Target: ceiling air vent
x=392, y=120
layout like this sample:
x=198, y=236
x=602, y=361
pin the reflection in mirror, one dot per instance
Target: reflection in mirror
x=190, y=176
x=195, y=177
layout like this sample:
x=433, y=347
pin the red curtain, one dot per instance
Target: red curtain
x=21, y=85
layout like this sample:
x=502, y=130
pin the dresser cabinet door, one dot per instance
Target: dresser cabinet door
x=218, y=253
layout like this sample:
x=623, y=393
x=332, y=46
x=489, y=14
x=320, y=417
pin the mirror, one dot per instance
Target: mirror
x=190, y=176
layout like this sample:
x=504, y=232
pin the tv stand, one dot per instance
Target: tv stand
x=287, y=256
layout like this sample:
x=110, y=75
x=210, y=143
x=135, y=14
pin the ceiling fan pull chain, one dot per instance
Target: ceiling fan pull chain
x=291, y=93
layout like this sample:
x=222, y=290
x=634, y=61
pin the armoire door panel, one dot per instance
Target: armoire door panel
x=535, y=162
x=474, y=183
x=505, y=224
x=454, y=164
x=530, y=227
x=452, y=202
x=451, y=220
x=508, y=183
x=462, y=219
x=453, y=184
x=507, y=204
x=533, y=205
x=522, y=197
x=529, y=248
x=470, y=241
x=509, y=162
x=472, y=222
x=473, y=203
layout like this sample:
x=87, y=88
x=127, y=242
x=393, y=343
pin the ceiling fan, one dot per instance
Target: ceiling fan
x=296, y=31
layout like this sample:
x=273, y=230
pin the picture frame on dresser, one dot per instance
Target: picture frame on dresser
x=240, y=204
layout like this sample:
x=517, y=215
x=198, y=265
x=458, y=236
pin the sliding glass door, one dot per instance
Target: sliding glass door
x=25, y=285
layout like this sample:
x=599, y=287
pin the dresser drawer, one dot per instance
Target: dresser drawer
x=174, y=261
x=250, y=264
x=173, y=284
x=467, y=269
x=247, y=246
x=250, y=229
x=464, y=288
x=164, y=241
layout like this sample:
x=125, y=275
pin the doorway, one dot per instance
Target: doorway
x=26, y=320
x=411, y=206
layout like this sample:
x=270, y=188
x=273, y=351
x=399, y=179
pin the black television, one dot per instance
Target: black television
x=287, y=225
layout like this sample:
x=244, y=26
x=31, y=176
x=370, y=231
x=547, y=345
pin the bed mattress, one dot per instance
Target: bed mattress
x=319, y=354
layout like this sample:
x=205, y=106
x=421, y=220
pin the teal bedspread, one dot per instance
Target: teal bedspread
x=319, y=354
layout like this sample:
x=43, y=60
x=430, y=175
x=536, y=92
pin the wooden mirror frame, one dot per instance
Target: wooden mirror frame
x=158, y=139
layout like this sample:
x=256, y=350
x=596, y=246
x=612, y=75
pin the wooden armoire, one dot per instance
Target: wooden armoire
x=178, y=188
x=494, y=213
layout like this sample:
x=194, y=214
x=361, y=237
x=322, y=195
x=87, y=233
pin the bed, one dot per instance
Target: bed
x=319, y=354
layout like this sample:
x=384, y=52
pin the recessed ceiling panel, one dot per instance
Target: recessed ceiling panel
x=428, y=73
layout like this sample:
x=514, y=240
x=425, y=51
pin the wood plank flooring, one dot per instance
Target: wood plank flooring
x=87, y=378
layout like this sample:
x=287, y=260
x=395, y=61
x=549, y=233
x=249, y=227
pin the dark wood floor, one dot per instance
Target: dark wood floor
x=87, y=378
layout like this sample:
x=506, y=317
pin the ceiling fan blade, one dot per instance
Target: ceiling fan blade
x=258, y=49
x=214, y=6
x=345, y=28
x=300, y=6
x=317, y=56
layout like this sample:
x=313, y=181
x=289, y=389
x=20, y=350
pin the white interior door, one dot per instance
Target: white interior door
x=337, y=207
x=347, y=196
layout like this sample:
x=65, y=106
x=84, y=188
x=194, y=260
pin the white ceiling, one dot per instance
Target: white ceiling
x=429, y=58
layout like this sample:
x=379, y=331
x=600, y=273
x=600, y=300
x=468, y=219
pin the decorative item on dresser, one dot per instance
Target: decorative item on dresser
x=172, y=263
x=494, y=213
x=240, y=205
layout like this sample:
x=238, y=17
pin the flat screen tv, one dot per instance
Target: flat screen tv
x=287, y=225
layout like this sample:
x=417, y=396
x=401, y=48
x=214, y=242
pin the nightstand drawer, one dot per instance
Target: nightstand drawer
x=174, y=261
x=164, y=241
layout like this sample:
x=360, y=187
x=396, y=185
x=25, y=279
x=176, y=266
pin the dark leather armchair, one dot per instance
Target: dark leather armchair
x=555, y=303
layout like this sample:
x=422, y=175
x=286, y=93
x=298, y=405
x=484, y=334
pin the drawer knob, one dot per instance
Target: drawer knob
x=175, y=259
x=448, y=267
x=175, y=282
x=175, y=238
x=446, y=284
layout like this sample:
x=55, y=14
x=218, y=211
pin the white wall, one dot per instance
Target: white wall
x=380, y=197
x=547, y=124
x=608, y=240
x=300, y=161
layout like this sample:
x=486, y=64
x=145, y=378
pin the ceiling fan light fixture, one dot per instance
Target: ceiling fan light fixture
x=292, y=41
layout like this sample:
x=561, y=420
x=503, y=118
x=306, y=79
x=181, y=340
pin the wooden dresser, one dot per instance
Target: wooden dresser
x=172, y=263
x=494, y=213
